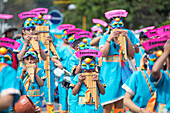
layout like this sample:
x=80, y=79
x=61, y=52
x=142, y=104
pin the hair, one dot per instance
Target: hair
x=84, y=57
x=142, y=35
x=154, y=49
x=76, y=42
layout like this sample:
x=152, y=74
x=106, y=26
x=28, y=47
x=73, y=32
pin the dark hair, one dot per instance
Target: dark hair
x=154, y=49
x=76, y=42
x=142, y=35
x=91, y=57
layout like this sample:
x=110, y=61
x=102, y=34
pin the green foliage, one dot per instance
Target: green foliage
x=140, y=12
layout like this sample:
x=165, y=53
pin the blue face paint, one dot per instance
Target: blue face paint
x=64, y=36
x=84, y=44
x=6, y=59
x=87, y=65
x=153, y=58
x=116, y=23
x=71, y=39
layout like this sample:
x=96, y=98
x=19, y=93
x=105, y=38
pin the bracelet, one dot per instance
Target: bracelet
x=107, y=41
x=140, y=110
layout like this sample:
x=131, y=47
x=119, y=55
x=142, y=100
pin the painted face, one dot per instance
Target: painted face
x=116, y=23
x=88, y=64
x=29, y=23
x=64, y=35
x=84, y=44
x=30, y=60
x=5, y=56
x=71, y=39
x=153, y=58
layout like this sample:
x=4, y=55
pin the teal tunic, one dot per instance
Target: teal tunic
x=35, y=97
x=65, y=54
x=112, y=72
x=162, y=93
x=138, y=56
x=73, y=100
x=86, y=108
x=9, y=85
x=137, y=86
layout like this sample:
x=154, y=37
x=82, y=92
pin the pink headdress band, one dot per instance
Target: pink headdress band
x=66, y=26
x=6, y=16
x=146, y=28
x=154, y=43
x=98, y=21
x=70, y=31
x=28, y=14
x=88, y=52
x=83, y=34
x=9, y=43
x=116, y=13
x=40, y=10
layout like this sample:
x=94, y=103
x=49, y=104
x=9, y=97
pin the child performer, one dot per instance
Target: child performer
x=32, y=81
x=111, y=70
x=28, y=30
x=87, y=102
x=139, y=88
x=162, y=81
x=74, y=67
x=9, y=86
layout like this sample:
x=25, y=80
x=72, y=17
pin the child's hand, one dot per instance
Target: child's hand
x=27, y=39
x=167, y=46
x=95, y=78
x=35, y=68
x=81, y=78
x=49, y=38
x=59, y=64
x=124, y=33
x=36, y=38
x=24, y=69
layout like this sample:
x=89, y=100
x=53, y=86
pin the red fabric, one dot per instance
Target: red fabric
x=14, y=62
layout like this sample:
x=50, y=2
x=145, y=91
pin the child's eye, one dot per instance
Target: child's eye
x=84, y=65
x=114, y=24
x=91, y=65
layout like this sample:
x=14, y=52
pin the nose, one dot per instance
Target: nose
x=88, y=67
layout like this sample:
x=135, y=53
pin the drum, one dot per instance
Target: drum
x=24, y=105
x=66, y=82
x=58, y=72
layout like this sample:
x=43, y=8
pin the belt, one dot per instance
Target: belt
x=33, y=93
x=82, y=100
x=112, y=58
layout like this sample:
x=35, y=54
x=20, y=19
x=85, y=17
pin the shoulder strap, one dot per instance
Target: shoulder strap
x=167, y=73
x=147, y=83
x=140, y=52
x=70, y=50
x=2, y=65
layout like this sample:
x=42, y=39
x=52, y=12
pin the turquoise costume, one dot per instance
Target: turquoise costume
x=66, y=53
x=9, y=85
x=112, y=72
x=34, y=89
x=137, y=86
x=86, y=108
x=73, y=100
x=21, y=41
x=162, y=93
x=138, y=56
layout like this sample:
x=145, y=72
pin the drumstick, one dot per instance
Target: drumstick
x=64, y=70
